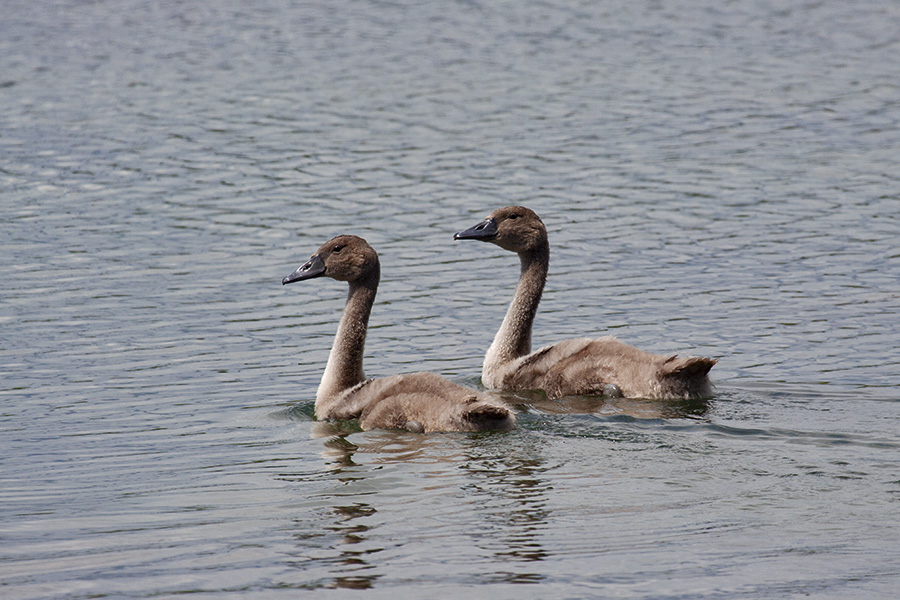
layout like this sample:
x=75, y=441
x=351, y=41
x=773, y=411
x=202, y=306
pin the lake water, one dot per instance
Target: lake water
x=717, y=179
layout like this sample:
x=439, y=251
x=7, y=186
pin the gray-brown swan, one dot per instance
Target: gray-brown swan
x=581, y=366
x=418, y=402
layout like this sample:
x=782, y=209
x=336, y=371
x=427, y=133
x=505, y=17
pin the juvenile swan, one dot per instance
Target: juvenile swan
x=580, y=366
x=419, y=402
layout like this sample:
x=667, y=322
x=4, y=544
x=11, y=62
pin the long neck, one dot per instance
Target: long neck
x=345, y=363
x=513, y=339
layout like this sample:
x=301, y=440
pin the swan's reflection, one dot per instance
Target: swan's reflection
x=353, y=559
x=604, y=406
x=489, y=488
x=512, y=495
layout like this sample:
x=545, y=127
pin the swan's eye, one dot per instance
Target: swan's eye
x=514, y=216
x=337, y=249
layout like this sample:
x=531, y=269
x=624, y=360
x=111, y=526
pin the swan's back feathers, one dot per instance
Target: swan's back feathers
x=346, y=405
x=426, y=402
x=585, y=366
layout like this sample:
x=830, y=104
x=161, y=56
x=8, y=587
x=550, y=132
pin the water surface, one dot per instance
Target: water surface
x=717, y=179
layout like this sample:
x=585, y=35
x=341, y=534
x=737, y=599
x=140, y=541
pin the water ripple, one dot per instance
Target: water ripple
x=716, y=180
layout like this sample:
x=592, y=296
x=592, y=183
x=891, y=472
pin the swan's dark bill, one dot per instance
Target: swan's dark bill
x=485, y=231
x=314, y=267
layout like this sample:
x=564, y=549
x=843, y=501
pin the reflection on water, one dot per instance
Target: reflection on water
x=501, y=503
x=513, y=494
x=721, y=174
x=339, y=547
x=355, y=557
x=604, y=406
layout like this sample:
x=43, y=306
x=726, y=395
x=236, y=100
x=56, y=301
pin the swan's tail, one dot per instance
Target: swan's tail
x=687, y=376
x=688, y=367
x=489, y=417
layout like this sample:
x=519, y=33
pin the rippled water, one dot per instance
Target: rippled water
x=717, y=179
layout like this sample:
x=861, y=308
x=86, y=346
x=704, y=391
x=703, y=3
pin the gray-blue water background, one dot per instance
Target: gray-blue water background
x=718, y=178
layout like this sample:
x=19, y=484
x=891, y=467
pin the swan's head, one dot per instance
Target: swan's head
x=345, y=258
x=513, y=228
